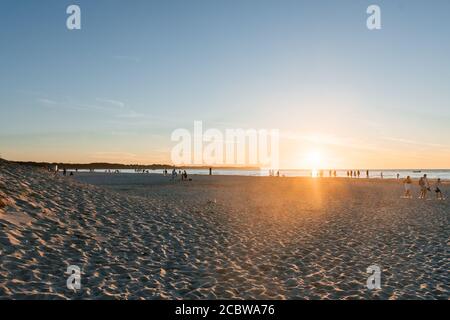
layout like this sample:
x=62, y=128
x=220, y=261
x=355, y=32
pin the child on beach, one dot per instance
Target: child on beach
x=437, y=189
x=407, y=183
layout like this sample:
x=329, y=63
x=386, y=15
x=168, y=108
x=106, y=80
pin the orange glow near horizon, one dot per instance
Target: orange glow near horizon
x=304, y=151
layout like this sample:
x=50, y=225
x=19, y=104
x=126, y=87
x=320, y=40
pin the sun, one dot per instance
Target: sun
x=314, y=160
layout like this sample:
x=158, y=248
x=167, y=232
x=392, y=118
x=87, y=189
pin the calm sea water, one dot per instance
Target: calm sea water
x=373, y=174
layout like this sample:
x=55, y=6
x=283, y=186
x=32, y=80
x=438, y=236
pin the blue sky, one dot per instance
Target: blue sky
x=137, y=70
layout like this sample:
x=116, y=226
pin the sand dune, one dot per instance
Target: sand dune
x=144, y=236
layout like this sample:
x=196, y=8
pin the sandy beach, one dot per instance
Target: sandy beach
x=143, y=236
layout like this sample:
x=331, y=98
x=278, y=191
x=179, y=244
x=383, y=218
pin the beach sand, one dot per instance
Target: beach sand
x=144, y=236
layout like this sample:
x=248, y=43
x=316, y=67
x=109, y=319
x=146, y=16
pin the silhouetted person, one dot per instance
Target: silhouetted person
x=437, y=189
x=210, y=171
x=174, y=174
x=424, y=187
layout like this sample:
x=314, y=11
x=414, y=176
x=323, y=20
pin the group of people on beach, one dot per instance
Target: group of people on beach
x=141, y=171
x=183, y=174
x=272, y=173
x=425, y=187
x=357, y=174
x=55, y=170
x=333, y=173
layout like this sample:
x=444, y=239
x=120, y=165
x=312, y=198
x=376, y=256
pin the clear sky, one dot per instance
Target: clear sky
x=116, y=89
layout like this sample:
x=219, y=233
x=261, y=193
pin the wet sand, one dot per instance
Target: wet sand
x=144, y=236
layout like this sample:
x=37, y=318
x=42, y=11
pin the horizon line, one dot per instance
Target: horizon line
x=205, y=166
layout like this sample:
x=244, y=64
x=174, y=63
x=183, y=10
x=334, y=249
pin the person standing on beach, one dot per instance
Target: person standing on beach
x=424, y=187
x=210, y=171
x=174, y=174
x=437, y=189
x=407, y=183
x=367, y=174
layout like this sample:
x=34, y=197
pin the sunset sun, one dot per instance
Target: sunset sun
x=314, y=160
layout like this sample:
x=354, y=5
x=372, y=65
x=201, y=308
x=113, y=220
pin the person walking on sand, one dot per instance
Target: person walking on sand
x=437, y=189
x=407, y=183
x=174, y=174
x=424, y=187
x=367, y=174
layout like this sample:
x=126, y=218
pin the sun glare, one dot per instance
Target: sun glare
x=314, y=160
